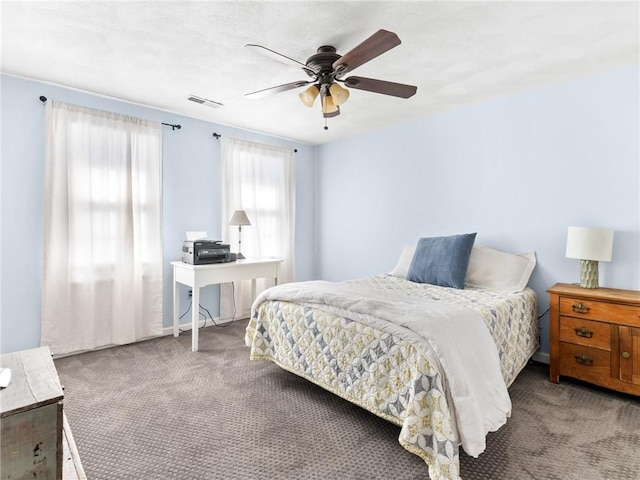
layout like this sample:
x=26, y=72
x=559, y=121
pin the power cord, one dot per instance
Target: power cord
x=224, y=325
x=219, y=325
x=233, y=296
x=188, y=310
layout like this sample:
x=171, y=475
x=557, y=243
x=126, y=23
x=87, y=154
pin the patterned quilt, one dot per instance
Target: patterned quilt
x=387, y=374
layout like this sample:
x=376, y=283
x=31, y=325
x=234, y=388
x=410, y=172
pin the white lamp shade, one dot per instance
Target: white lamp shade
x=239, y=218
x=590, y=243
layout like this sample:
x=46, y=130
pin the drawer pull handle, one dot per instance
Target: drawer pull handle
x=584, y=360
x=626, y=355
x=580, y=308
x=584, y=332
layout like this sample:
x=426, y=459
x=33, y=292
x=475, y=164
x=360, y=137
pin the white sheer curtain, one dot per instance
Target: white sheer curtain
x=259, y=179
x=102, y=282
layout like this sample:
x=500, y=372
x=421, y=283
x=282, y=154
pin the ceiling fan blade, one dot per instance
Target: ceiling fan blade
x=380, y=86
x=278, y=89
x=272, y=53
x=375, y=45
x=280, y=57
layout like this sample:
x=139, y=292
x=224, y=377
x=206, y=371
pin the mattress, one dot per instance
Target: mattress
x=388, y=373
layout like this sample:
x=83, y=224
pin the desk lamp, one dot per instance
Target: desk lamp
x=590, y=245
x=239, y=218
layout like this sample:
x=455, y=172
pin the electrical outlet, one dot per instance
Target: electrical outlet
x=190, y=293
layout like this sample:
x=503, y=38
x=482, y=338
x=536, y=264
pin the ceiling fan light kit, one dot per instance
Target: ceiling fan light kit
x=338, y=94
x=329, y=109
x=326, y=67
x=309, y=95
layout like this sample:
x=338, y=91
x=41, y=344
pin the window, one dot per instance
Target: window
x=102, y=282
x=260, y=179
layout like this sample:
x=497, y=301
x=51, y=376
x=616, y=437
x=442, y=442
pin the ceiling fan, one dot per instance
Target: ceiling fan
x=326, y=68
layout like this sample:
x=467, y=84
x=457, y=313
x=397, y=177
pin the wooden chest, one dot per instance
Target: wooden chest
x=31, y=417
x=594, y=336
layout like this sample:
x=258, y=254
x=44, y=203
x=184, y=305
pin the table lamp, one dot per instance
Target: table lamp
x=590, y=245
x=239, y=218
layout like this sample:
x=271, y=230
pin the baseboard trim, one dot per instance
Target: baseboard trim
x=208, y=323
x=541, y=357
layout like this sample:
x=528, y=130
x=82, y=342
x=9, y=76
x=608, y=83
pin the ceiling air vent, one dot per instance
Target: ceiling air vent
x=204, y=101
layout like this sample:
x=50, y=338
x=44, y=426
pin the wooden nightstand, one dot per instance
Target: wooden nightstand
x=594, y=336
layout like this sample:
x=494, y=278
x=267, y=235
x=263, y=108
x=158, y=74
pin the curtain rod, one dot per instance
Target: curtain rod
x=217, y=137
x=43, y=99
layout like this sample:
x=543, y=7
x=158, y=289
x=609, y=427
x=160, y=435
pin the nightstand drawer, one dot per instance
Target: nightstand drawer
x=585, y=332
x=599, y=310
x=584, y=362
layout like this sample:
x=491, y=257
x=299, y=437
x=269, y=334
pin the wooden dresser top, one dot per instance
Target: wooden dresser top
x=34, y=381
x=598, y=294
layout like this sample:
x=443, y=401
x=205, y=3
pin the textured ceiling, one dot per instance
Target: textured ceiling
x=158, y=53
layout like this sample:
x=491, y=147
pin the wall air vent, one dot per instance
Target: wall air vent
x=204, y=101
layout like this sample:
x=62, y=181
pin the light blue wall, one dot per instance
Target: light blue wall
x=191, y=198
x=518, y=171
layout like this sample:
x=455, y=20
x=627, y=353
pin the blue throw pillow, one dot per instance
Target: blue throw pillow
x=442, y=261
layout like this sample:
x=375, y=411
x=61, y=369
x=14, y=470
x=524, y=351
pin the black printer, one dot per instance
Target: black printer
x=201, y=252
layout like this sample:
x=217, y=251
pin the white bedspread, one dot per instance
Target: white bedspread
x=451, y=336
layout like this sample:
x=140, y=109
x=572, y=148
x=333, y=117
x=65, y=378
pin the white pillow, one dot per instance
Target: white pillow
x=498, y=270
x=402, y=267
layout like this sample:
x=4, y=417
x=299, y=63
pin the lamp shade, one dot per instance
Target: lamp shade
x=309, y=95
x=327, y=105
x=239, y=218
x=339, y=95
x=590, y=243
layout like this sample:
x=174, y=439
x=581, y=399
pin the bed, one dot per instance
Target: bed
x=434, y=360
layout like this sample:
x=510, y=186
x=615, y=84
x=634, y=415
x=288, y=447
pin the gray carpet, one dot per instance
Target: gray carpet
x=154, y=410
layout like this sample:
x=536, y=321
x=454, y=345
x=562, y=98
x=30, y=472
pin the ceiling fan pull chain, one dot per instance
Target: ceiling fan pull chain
x=325, y=124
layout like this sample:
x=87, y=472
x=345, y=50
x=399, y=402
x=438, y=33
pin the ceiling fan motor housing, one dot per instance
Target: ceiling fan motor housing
x=322, y=64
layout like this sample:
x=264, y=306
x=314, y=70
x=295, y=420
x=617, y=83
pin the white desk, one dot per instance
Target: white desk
x=198, y=276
